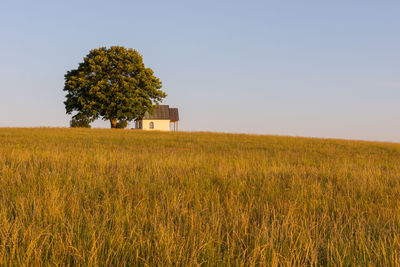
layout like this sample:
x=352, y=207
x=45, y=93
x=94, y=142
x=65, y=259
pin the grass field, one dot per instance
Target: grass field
x=121, y=197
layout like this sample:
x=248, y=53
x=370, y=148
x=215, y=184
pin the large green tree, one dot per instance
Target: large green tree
x=112, y=84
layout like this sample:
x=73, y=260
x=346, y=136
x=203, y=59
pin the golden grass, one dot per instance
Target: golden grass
x=120, y=197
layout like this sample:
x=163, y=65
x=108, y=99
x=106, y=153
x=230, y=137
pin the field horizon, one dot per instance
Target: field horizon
x=126, y=197
x=210, y=132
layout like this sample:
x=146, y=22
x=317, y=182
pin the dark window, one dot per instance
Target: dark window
x=151, y=126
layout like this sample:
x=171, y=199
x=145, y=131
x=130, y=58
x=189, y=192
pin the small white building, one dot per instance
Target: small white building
x=163, y=118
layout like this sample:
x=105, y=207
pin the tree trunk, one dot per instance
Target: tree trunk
x=113, y=123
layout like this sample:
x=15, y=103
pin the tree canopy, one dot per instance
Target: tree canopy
x=112, y=84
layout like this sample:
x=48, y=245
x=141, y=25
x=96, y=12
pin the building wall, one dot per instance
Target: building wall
x=159, y=125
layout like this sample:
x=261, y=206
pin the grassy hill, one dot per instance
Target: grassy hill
x=101, y=197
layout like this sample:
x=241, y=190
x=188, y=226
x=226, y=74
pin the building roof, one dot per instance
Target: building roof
x=163, y=112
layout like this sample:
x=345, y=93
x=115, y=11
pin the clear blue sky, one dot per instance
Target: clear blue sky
x=302, y=68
